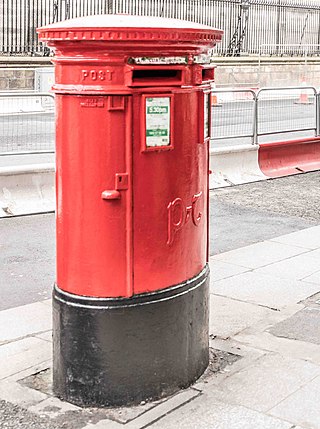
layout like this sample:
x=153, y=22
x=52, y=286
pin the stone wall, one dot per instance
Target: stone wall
x=15, y=79
x=251, y=72
x=18, y=72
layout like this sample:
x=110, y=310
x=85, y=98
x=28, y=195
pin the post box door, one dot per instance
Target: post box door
x=170, y=175
x=94, y=207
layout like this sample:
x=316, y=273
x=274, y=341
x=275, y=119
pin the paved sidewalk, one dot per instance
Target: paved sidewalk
x=265, y=321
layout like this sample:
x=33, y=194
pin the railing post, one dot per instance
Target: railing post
x=317, y=114
x=255, y=120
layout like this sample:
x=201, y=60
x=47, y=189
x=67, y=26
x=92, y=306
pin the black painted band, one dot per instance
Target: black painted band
x=121, y=351
x=139, y=299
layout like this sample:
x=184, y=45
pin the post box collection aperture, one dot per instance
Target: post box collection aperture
x=130, y=301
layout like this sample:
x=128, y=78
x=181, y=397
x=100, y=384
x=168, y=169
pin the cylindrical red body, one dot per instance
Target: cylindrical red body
x=153, y=234
x=130, y=304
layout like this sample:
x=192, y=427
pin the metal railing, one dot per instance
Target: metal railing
x=27, y=123
x=239, y=116
x=267, y=115
x=233, y=114
x=287, y=112
x=247, y=24
x=289, y=50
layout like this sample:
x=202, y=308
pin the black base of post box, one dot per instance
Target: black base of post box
x=115, y=352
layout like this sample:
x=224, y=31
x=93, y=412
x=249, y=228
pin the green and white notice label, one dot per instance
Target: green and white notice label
x=157, y=121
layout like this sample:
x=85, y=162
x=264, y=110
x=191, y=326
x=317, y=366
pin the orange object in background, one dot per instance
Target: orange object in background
x=304, y=96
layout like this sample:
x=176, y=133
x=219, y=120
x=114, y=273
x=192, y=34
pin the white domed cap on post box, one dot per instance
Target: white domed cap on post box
x=127, y=21
x=145, y=33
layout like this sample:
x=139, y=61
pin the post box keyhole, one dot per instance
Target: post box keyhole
x=122, y=181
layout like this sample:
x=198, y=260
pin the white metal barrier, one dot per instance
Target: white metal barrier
x=27, y=189
x=242, y=119
x=26, y=127
x=234, y=165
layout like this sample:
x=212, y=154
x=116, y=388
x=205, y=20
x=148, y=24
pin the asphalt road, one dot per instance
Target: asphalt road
x=239, y=216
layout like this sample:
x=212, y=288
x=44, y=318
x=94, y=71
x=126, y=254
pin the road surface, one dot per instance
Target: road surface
x=239, y=216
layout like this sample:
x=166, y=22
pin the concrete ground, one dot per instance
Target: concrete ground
x=264, y=323
x=265, y=309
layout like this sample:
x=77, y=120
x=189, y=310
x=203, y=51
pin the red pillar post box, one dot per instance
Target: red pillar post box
x=133, y=128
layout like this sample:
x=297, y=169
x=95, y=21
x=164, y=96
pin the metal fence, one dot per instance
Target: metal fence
x=270, y=114
x=239, y=116
x=248, y=24
x=27, y=123
x=289, y=50
x=233, y=116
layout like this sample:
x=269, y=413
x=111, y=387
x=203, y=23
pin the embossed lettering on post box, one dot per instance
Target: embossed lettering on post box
x=179, y=215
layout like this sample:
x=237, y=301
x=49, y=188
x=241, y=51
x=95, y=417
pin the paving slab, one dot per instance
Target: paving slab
x=52, y=408
x=19, y=355
x=305, y=238
x=302, y=326
x=105, y=424
x=20, y=395
x=315, y=253
x=43, y=381
x=302, y=407
x=184, y=397
x=314, y=278
x=221, y=270
x=276, y=316
x=47, y=336
x=246, y=357
x=229, y=317
x=265, y=290
x=124, y=415
x=264, y=384
x=259, y=254
x=297, y=268
x=284, y=346
x=25, y=320
x=312, y=301
x=208, y=413
x=47, y=302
